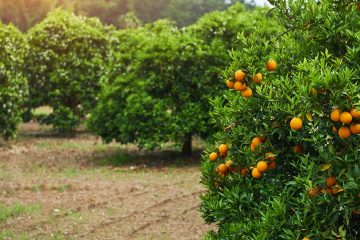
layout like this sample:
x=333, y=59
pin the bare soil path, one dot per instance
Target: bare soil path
x=87, y=190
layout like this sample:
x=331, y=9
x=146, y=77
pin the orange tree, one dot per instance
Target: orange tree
x=285, y=162
x=65, y=66
x=13, y=85
x=161, y=78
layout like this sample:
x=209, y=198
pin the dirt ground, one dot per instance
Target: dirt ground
x=89, y=190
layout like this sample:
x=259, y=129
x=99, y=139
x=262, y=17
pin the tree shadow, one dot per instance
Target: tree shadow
x=145, y=159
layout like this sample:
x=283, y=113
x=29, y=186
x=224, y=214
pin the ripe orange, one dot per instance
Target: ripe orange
x=335, y=115
x=262, y=166
x=271, y=165
x=355, y=113
x=244, y=171
x=355, y=128
x=344, y=132
x=271, y=65
x=222, y=168
x=313, y=191
x=334, y=129
x=298, y=148
x=256, y=141
x=240, y=75
x=229, y=84
x=257, y=78
x=239, y=86
x=229, y=163
x=345, y=118
x=256, y=173
x=213, y=156
x=296, y=123
x=330, y=181
x=223, y=148
x=306, y=238
x=247, y=93
x=270, y=156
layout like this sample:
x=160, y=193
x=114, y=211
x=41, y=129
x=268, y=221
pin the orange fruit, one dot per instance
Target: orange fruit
x=306, y=238
x=355, y=128
x=313, y=191
x=298, y=148
x=257, y=78
x=244, y=171
x=247, y=93
x=213, y=156
x=229, y=84
x=223, y=148
x=270, y=156
x=229, y=163
x=240, y=75
x=296, y=123
x=334, y=129
x=239, y=86
x=344, y=132
x=271, y=65
x=345, y=118
x=256, y=141
x=271, y=165
x=355, y=113
x=256, y=173
x=330, y=181
x=222, y=168
x=335, y=115
x=262, y=166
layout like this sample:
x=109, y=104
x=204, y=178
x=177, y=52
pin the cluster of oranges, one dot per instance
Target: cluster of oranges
x=238, y=81
x=351, y=119
x=223, y=169
x=331, y=187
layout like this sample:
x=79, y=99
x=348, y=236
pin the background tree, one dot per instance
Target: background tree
x=66, y=65
x=290, y=166
x=13, y=85
x=161, y=81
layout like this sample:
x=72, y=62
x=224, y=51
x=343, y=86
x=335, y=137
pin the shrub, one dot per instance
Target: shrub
x=66, y=64
x=13, y=85
x=294, y=172
x=162, y=78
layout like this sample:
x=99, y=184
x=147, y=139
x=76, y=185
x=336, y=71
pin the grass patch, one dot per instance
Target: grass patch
x=16, y=209
x=7, y=234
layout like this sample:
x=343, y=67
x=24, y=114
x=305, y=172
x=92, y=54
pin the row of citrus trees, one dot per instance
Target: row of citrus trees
x=285, y=160
x=146, y=85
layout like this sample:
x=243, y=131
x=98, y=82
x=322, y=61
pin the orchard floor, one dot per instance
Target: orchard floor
x=78, y=188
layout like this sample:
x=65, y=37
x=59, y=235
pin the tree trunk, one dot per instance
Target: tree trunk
x=187, y=146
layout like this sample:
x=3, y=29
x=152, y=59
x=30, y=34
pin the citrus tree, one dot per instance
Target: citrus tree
x=162, y=78
x=65, y=66
x=13, y=85
x=285, y=160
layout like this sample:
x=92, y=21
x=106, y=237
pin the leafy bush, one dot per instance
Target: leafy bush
x=66, y=64
x=13, y=85
x=294, y=171
x=162, y=78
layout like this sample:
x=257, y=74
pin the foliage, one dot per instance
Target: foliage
x=317, y=72
x=27, y=13
x=66, y=65
x=161, y=81
x=13, y=85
